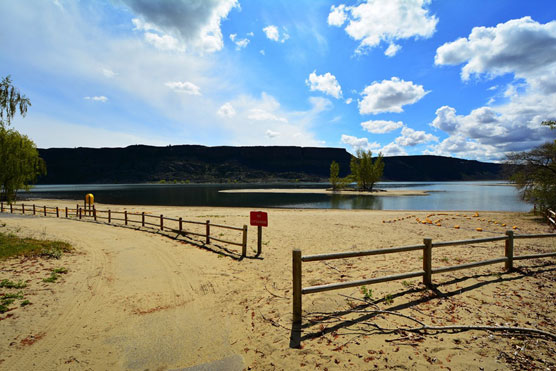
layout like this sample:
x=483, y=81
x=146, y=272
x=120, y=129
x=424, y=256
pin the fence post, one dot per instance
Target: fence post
x=11, y=208
x=142, y=219
x=23, y=208
x=57, y=212
x=509, y=251
x=1, y=207
x=80, y=213
x=44, y=209
x=94, y=213
x=109, y=216
x=161, y=222
x=66, y=212
x=77, y=211
x=34, y=211
x=181, y=222
x=244, y=245
x=208, y=232
x=125, y=217
x=427, y=262
x=259, y=240
x=296, y=270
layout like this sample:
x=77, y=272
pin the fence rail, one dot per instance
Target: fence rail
x=176, y=225
x=426, y=273
x=551, y=216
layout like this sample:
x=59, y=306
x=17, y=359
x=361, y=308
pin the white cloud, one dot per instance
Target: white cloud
x=392, y=50
x=459, y=146
x=359, y=143
x=374, y=21
x=349, y=100
x=226, y=110
x=337, y=16
x=381, y=126
x=262, y=52
x=184, y=87
x=196, y=24
x=412, y=137
x=164, y=42
x=240, y=43
x=273, y=33
x=326, y=83
x=100, y=98
x=523, y=47
x=272, y=134
x=259, y=114
x=392, y=149
x=390, y=96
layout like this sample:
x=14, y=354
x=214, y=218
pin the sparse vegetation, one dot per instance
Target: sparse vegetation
x=367, y=293
x=5, y=283
x=55, y=274
x=13, y=246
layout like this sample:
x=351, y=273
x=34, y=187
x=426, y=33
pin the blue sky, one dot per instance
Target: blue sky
x=469, y=79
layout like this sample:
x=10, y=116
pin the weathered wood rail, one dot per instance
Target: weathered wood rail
x=142, y=219
x=427, y=247
x=551, y=217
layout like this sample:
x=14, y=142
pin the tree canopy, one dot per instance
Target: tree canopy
x=364, y=171
x=20, y=164
x=10, y=101
x=534, y=173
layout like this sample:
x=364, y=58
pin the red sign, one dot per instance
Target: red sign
x=259, y=218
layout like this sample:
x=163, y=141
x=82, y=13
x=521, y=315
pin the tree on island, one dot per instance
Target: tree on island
x=20, y=164
x=364, y=171
x=534, y=173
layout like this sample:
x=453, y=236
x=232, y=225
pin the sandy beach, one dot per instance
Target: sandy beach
x=140, y=300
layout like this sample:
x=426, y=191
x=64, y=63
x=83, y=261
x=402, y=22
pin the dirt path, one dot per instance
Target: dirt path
x=134, y=301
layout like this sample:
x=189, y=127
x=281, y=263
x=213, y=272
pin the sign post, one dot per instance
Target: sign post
x=259, y=219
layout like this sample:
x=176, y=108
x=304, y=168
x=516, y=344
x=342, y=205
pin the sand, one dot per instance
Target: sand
x=138, y=300
x=381, y=193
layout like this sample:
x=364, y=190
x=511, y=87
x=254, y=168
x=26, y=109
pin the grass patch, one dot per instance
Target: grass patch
x=8, y=299
x=5, y=283
x=55, y=274
x=13, y=246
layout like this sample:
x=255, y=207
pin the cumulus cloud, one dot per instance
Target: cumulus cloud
x=460, y=146
x=273, y=33
x=184, y=87
x=100, y=98
x=393, y=149
x=522, y=46
x=107, y=72
x=359, y=143
x=349, y=100
x=194, y=23
x=412, y=137
x=226, y=110
x=240, y=43
x=390, y=96
x=326, y=83
x=392, y=50
x=381, y=126
x=374, y=21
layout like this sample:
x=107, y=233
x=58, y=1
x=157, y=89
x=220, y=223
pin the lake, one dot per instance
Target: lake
x=468, y=196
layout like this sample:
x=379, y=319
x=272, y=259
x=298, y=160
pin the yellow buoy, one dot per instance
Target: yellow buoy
x=503, y=225
x=514, y=227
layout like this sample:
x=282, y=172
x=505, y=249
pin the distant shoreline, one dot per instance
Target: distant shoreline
x=380, y=193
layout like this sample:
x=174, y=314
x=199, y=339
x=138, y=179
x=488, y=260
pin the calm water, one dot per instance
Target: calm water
x=444, y=196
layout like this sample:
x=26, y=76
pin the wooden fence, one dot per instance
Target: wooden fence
x=551, y=216
x=426, y=272
x=163, y=223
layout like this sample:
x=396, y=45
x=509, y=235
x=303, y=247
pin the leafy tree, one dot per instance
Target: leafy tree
x=20, y=164
x=534, y=173
x=10, y=101
x=365, y=171
x=334, y=175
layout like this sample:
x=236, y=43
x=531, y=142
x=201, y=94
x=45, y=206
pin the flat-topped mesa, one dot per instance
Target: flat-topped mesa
x=223, y=164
